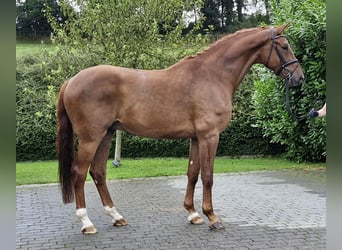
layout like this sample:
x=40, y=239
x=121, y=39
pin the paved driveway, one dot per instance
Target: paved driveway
x=260, y=210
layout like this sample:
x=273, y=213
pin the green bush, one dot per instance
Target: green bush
x=35, y=111
x=305, y=140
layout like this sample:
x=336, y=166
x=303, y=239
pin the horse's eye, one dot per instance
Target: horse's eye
x=285, y=46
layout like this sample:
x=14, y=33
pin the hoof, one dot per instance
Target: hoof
x=217, y=226
x=120, y=223
x=197, y=220
x=89, y=230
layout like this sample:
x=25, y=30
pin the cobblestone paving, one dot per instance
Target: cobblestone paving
x=260, y=210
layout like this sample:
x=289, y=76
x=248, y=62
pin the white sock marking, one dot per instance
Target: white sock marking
x=193, y=215
x=111, y=211
x=81, y=213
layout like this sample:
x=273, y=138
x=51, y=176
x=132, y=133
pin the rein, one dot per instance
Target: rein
x=288, y=107
x=288, y=73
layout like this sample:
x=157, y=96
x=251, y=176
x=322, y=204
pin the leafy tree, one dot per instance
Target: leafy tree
x=31, y=20
x=228, y=14
x=239, y=6
x=212, y=14
x=304, y=141
x=138, y=34
x=222, y=16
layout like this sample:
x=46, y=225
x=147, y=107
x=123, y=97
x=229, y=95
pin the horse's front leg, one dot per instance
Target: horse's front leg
x=207, y=153
x=193, y=171
x=98, y=173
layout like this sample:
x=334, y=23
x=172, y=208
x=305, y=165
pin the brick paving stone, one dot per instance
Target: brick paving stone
x=260, y=210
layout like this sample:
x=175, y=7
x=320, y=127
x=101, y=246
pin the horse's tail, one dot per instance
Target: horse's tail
x=65, y=149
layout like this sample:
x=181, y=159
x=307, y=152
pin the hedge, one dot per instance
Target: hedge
x=304, y=140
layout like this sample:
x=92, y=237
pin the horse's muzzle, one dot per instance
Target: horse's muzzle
x=294, y=79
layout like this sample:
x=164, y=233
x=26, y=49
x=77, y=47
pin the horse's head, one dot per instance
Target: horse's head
x=281, y=58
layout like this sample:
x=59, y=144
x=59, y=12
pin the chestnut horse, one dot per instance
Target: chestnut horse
x=191, y=99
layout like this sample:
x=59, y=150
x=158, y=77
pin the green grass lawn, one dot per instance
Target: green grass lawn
x=26, y=48
x=46, y=171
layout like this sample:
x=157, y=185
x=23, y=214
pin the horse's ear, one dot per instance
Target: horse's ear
x=280, y=29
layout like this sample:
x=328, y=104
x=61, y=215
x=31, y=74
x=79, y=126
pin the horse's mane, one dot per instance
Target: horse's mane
x=224, y=40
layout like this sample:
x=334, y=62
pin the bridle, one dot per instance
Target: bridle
x=283, y=62
x=286, y=72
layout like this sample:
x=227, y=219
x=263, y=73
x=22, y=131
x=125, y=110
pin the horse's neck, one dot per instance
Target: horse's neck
x=233, y=58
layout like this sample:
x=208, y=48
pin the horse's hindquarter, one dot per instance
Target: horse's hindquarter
x=156, y=104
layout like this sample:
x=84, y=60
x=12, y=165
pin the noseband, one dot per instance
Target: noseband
x=283, y=62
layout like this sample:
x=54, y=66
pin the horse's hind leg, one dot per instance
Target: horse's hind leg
x=85, y=154
x=98, y=173
x=193, y=171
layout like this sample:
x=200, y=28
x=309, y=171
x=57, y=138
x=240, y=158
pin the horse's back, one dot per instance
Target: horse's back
x=101, y=82
x=97, y=76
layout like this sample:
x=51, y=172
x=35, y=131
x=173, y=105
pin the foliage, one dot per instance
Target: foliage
x=304, y=141
x=31, y=21
x=35, y=110
x=223, y=16
x=220, y=16
x=136, y=34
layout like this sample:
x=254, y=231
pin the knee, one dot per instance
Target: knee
x=192, y=179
